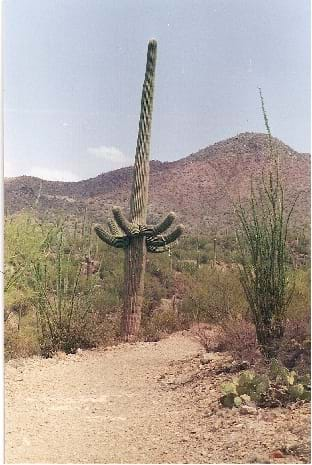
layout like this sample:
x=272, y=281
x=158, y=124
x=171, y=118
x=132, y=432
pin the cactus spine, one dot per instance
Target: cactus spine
x=135, y=236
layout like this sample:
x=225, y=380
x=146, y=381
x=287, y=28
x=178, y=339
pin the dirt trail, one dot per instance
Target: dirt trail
x=118, y=406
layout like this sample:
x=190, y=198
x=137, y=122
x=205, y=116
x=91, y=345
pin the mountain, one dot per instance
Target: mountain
x=200, y=188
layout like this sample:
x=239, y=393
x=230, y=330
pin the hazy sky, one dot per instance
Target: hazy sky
x=73, y=74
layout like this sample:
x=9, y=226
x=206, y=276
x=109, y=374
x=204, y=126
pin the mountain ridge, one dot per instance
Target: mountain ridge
x=199, y=187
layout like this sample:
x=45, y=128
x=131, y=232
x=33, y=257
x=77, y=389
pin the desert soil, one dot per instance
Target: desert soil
x=141, y=403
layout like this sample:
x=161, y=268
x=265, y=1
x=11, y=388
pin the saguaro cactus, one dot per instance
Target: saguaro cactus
x=135, y=236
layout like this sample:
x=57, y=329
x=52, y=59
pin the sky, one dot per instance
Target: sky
x=73, y=72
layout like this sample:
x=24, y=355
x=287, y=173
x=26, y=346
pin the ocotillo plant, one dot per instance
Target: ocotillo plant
x=262, y=241
x=135, y=236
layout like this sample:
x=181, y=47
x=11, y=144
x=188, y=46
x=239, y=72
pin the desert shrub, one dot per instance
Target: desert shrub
x=159, y=284
x=204, y=259
x=64, y=296
x=300, y=304
x=164, y=320
x=24, y=238
x=153, y=293
x=238, y=336
x=208, y=335
x=21, y=341
x=186, y=266
x=17, y=344
x=50, y=277
x=235, y=335
x=159, y=267
x=159, y=315
x=213, y=296
x=18, y=302
x=277, y=387
x=262, y=241
x=295, y=349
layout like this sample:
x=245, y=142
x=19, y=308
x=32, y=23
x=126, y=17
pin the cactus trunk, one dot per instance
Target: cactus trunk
x=135, y=256
x=135, y=236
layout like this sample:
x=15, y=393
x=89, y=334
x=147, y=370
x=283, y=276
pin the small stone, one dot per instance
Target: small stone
x=207, y=358
x=248, y=410
x=277, y=454
x=60, y=355
x=258, y=459
x=239, y=425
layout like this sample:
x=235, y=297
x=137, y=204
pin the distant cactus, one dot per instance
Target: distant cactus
x=135, y=236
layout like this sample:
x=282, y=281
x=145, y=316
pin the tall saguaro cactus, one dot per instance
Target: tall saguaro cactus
x=135, y=236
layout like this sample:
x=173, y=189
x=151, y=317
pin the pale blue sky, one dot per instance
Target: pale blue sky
x=73, y=73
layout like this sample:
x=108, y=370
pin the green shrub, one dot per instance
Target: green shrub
x=300, y=304
x=279, y=387
x=262, y=241
x=52, y=283
x=163, y=321
x=64, y=296
x=214, y=296
x=20, y=343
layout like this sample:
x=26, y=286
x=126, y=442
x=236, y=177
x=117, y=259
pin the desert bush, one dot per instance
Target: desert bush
x=159, y=268
x=164, y=320
x=213, y=296
x=21, y=341
x=204, y=259
x=17, y=344
x=24, y=238
x=153, y=293
x=262, y=241
x=64, y=296
x=53, y=281
x=295, y=349
x=238, y=336
x=300, y=304
x=160, y=323
x=186, y=266
x=276, y=388
x=234, y=335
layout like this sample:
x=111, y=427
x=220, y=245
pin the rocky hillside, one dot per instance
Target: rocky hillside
x=200, y=188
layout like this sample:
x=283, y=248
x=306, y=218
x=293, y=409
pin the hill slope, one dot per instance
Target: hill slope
x=200, y=188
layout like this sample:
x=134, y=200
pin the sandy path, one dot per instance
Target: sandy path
x=98, y=407
x=135, y=404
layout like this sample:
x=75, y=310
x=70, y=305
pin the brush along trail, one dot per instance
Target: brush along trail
x=141, y=403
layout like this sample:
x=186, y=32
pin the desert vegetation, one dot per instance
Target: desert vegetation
x=64, y=292
x=242, y=291
x=63, y=276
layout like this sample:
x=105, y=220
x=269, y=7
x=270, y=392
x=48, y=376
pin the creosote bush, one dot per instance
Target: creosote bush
x=213, y=296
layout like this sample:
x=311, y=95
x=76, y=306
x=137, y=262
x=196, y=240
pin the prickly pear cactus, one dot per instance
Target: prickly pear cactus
x=135, y=236
x=277, y=388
